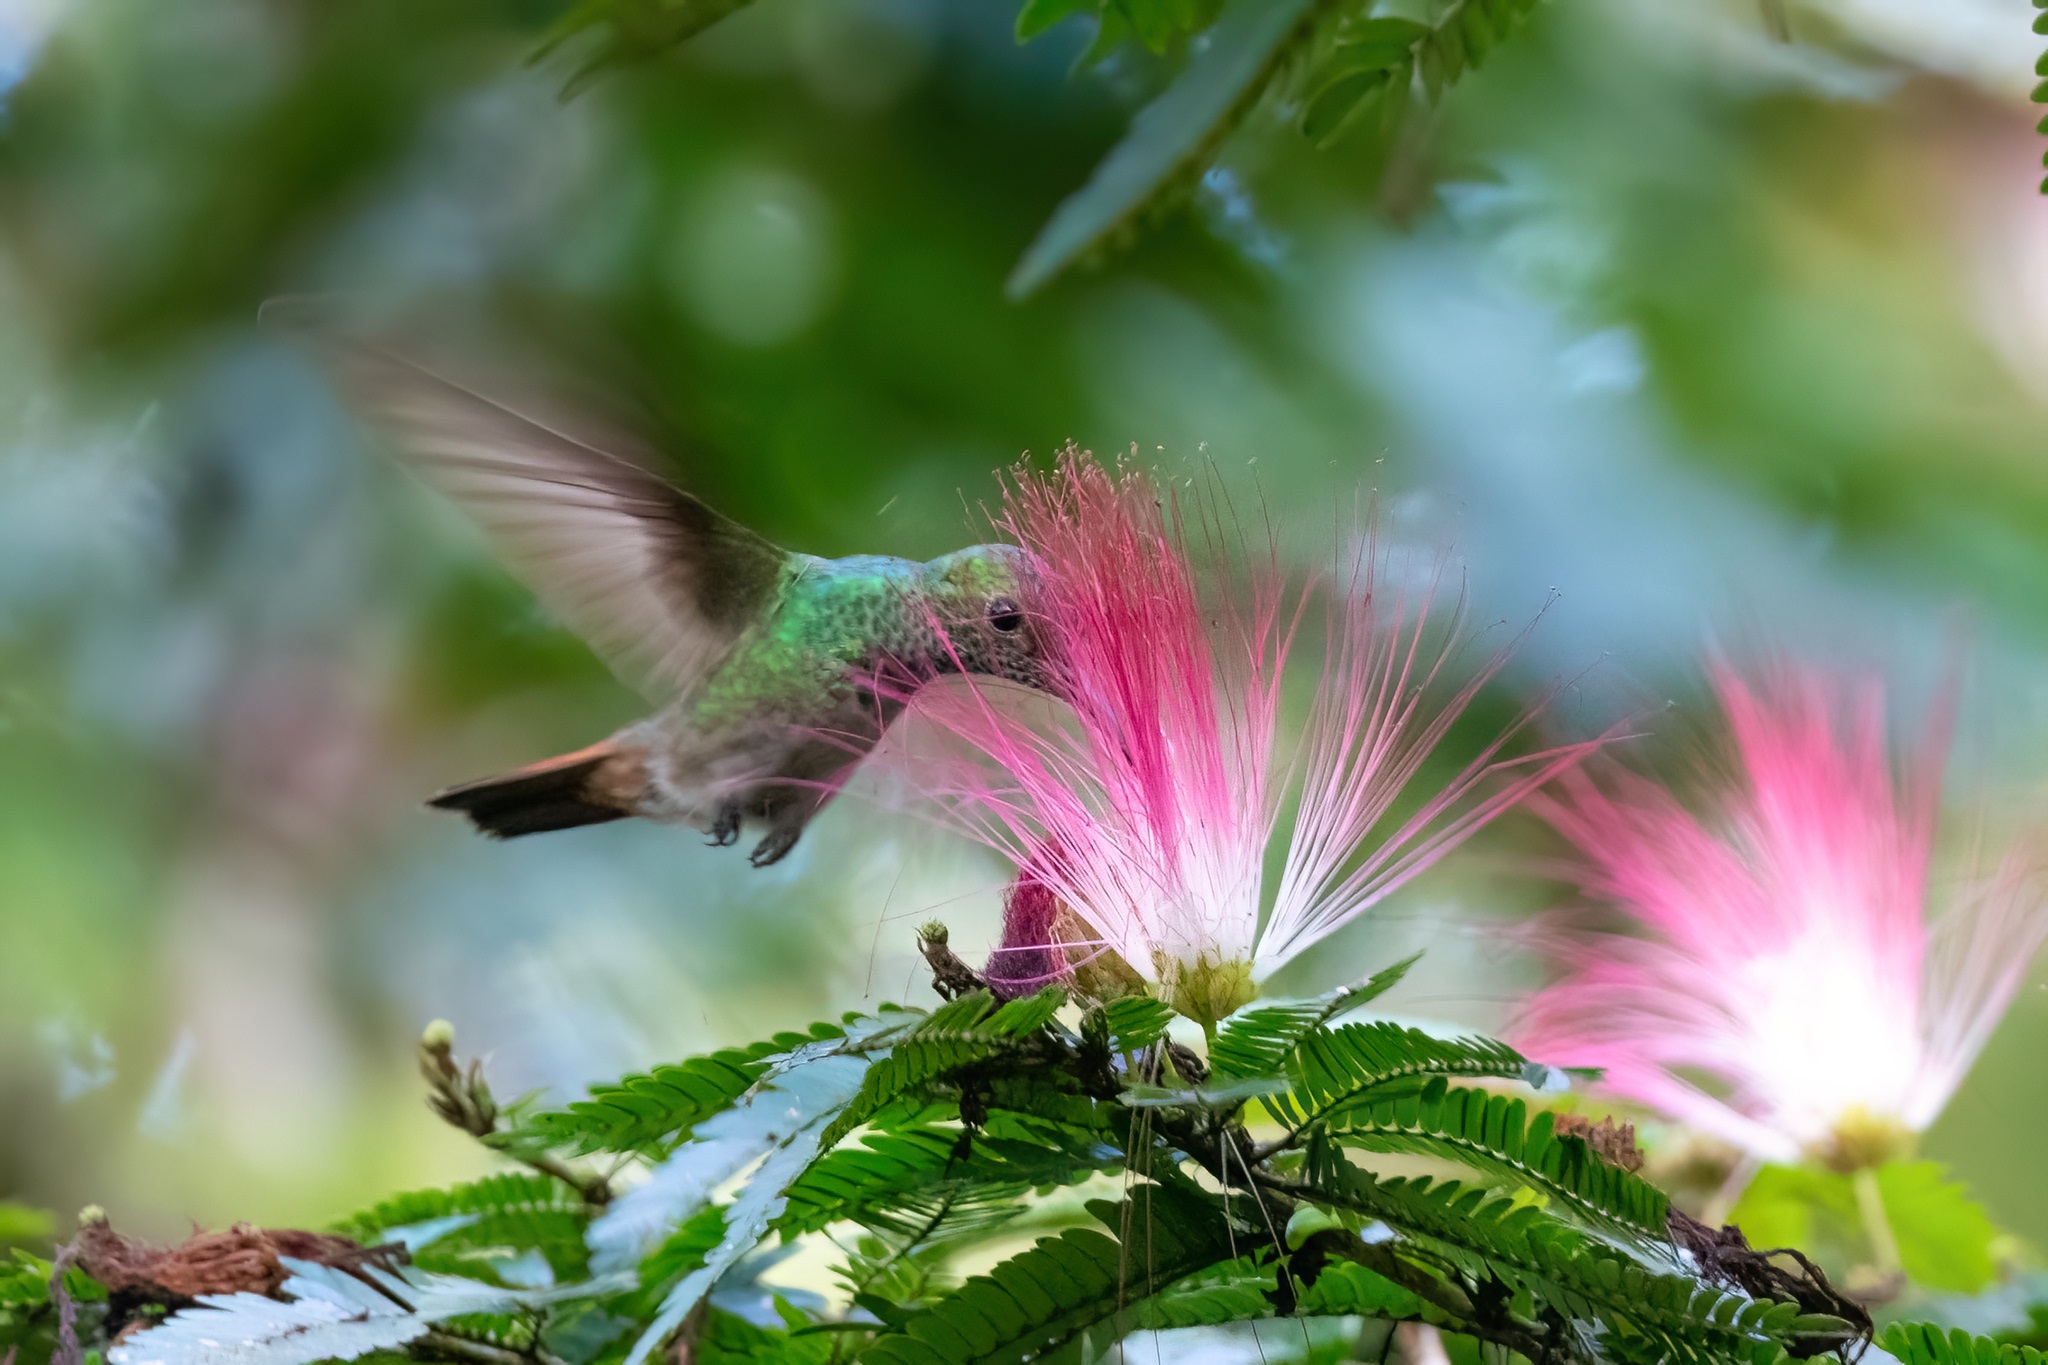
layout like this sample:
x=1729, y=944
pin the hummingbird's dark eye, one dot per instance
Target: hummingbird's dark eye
x=1004, y=616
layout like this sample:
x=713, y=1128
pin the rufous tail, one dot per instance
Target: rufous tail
x=588, y=787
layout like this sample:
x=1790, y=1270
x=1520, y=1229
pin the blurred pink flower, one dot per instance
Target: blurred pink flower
x=1145, y=812
x=1786, y=949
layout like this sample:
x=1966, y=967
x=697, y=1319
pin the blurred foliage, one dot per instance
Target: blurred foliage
x=1343, y=62
x=19, y=1223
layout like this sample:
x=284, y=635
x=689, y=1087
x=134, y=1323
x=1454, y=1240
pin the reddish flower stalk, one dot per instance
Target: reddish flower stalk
x=1145, y=812
x=1786, y=946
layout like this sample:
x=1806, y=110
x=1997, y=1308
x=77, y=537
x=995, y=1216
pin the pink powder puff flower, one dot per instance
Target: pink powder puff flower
x=1140, y=818
x=1787, y=950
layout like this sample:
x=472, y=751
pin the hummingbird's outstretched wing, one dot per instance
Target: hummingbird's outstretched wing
x=657, y=582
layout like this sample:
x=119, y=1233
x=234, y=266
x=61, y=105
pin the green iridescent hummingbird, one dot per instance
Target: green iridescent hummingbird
x=777, y=670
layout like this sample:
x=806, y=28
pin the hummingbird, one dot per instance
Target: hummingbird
x=775, y=671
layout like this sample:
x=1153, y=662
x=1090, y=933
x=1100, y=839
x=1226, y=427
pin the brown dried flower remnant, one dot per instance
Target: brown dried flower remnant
x=242, y=1259
x=1613, y=1143
x=1724, y=1256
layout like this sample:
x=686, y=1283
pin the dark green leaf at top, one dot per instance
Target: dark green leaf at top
x=1172, y=139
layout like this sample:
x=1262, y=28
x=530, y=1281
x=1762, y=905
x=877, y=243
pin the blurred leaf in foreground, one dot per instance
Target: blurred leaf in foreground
x=20, y=1223
x=1171, y=140
x=633, y=31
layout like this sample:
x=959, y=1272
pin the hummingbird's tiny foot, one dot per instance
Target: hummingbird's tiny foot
x=725, y=826
x=779, y=841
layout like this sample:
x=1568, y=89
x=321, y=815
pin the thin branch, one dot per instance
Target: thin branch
x=68, y=1351
x=595, y=1189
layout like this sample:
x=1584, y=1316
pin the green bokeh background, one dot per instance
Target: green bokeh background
x=1711, y=338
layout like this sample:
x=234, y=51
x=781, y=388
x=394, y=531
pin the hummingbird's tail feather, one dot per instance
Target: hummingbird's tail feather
x=604, y=782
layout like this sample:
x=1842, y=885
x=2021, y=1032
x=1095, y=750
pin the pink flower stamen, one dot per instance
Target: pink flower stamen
x=1786, y=951
x=1148, y=805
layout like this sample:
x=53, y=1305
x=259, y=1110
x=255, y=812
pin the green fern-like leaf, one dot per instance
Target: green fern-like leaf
x=1258, y=1039
x=905, y=1171
x=648, y=1114
x=1923, y=1343
x=1644, y=1312
x=1022, y=1017
x=1349, y=1290
x=1494, y=1135
x=515, y=1211
x=1035, y=1302
x=1134, y=1022
x=731, y=1340
x=1236, y=1291
x=962, y=1033
x=782, y=1124
x=1340, y=1073
x=1048, y=1097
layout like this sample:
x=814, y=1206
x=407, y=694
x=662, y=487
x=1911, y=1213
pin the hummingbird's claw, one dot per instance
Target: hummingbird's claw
x=725, y=826
x=778, y=842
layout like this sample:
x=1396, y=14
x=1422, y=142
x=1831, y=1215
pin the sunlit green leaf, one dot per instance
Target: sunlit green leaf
x=1944, y=1235
x=1779, y=1207
x=20, y=1223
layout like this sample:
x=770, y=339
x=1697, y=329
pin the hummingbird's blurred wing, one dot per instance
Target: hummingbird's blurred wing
x=657, y=582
